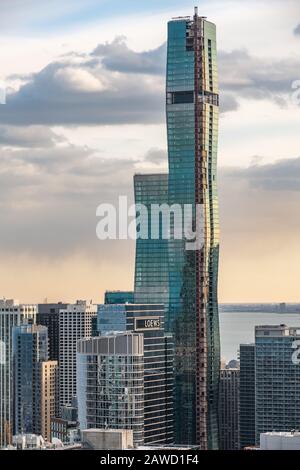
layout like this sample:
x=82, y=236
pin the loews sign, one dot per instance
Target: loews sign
x=150, y=323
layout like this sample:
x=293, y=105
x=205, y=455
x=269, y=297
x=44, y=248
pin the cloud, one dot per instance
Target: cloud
x=228, y=102
x=79, y=90
x=283, y=175
x=297, y=30
x=156, y=156
x=29, y=137
x=118, y=57
x=48, y=198
x=259, y=231
x=99, y=88
x=257, y=78
x=48, y=201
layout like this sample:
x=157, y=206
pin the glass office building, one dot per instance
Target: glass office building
x=247, y=395
x=158, y=363
x=277, y=379
x=110, y=383
x=186, y=280
x=229, y=409
x=11, y=314
x=151, y=264
x=48, y=315
x=30, y=349
x=119, y=297
x=192, y=121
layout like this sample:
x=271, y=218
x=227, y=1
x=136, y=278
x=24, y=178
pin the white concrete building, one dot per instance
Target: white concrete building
x=75, y=322
x=107, y=439
x=280, y=440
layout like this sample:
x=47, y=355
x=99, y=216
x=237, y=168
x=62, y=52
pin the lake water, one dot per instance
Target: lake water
x=238, y=327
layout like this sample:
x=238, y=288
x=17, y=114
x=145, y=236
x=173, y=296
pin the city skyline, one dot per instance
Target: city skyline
x=149, y=191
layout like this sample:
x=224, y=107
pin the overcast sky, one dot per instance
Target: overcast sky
x=85, y=111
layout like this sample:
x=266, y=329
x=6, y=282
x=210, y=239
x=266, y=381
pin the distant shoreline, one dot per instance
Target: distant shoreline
x=281, y=308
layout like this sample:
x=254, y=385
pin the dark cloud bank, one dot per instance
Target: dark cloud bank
x=115, y=85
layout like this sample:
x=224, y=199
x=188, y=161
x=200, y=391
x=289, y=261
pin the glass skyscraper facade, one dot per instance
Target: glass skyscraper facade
x=185, y=280
x=119, y=297
x=151, y=265
x=30, y=349
x=192, y=120
x=247, y=395
x=11, y=314
x=110, y=382
x=229, y=409
x=277, y=379
x=148, y=320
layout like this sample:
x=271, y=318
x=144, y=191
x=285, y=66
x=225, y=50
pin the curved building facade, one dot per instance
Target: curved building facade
x=192, y=120
x=169, y=271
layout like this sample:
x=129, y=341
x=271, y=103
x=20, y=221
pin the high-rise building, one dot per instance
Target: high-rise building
x=75, y=322
x=191, y=285
x=119, y=297
x=12, y=313
x=48, y=315
x=49, y=396
x=158, y=363
x=35, y=381
x=229, y=409
x=247, y=395
x=280, y=441
x=111, y=383
x=192, y=121
x=277, y=379
x=151, y=283
x=30, y=348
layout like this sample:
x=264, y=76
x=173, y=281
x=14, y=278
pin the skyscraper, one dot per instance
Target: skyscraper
x=12, y=313
x=189, y=291
x=192, y=120
x=49, y=395
x=148, y=320
x=75, y=322
x=119, y=297
x=30, y=348
x=35, y=381
x=247, y=395
x=111, y=383
x=151, y=284
x=229, y=409
x=48, y=315
x=277, y=379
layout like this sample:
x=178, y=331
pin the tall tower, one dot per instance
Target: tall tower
x=12, y=313
x=111, y=383
x=75, y=322
x=35, y=381
x=192, y=124
x=277, y=379
x=229, y=408
x=158, y=363
x=151, y=263
x=247, y=395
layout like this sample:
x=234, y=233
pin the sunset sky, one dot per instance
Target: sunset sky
x=85, y=111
